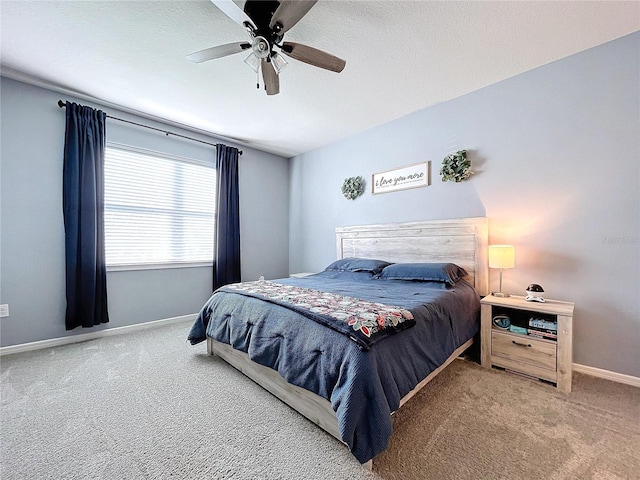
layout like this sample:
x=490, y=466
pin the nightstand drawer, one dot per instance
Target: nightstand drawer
x=521, y=349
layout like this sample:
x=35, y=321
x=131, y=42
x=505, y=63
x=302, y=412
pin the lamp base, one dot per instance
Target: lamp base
x=500, y=294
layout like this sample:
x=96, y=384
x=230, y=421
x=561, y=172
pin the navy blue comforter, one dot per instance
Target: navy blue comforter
x=364, y=387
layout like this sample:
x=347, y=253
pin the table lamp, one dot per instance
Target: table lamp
x=501, y=256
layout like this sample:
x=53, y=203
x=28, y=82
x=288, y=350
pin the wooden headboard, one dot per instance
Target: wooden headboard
x=461, y=241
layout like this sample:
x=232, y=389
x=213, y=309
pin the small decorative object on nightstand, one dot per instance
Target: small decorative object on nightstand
x=537, y=340
x=534, y=293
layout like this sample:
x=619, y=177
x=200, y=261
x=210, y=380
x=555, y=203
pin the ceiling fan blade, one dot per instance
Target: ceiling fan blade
x=270, y=77
x=234, y=12
x=313, y=56
x=217, y=52
x=290, y=12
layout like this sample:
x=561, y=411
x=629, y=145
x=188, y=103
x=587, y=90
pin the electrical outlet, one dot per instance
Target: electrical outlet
x=4, y=310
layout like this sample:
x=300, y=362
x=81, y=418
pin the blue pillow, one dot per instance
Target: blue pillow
x=448, y=273
x=358, y=265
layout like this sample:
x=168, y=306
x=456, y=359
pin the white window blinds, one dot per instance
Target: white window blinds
x=159, y=209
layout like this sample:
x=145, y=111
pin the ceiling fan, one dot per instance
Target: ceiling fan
x=267, y=22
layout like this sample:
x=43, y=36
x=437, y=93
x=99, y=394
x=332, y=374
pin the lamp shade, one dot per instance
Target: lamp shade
x=502, y=256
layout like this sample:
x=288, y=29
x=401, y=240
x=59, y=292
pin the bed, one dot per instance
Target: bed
x=351, y=383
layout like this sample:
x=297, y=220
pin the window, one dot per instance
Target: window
x=159, y=209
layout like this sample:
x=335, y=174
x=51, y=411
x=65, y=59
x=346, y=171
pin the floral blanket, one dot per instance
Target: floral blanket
x=362, y=321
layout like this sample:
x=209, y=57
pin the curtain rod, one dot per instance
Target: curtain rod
x=62, y=104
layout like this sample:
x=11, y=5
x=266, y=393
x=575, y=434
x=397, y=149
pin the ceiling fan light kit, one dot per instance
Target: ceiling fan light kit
x=267, y=22
x=253, y=61
x=279, y=63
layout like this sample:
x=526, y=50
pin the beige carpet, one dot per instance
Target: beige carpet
x=489, y=424
x=149, y=406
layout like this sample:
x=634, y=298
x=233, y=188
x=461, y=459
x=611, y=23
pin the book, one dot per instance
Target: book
x=516, y=329
x=544, y=330
x=538, y=334
x=540, y=323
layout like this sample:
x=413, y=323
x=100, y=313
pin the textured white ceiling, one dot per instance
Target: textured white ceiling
x=402, y=56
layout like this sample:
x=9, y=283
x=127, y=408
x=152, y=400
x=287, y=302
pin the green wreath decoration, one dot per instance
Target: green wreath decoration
x=456, y=167
x=353, y=187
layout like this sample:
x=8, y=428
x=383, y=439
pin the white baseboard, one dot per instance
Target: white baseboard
x=56, y=342
x=607, y=374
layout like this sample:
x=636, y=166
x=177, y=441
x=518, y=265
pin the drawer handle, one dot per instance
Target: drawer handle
x=521, y=344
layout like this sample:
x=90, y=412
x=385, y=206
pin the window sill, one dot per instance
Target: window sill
x=156, y=266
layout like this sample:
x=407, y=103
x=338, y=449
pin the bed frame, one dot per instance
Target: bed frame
x=461, y=241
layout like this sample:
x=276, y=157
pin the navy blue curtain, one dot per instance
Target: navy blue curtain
x=83, y=204
x=226, y=268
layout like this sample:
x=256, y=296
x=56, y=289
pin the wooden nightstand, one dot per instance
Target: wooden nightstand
x=547, y=359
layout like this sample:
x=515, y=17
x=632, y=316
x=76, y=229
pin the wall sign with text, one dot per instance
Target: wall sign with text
x=411, y=176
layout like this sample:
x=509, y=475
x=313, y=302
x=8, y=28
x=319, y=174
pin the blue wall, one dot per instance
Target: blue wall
x=556, y=153
x=32, y=278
